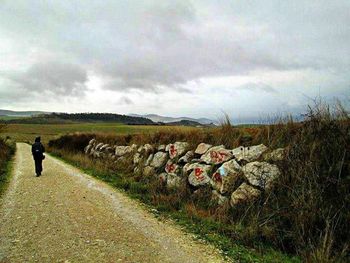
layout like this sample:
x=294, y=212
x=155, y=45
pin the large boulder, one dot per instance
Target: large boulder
x=202, y=148
x=261, y=174
x=276, y=155
x=244, y=193
x=171, y=167
x=177, y=149
x=225, y=179
x=159, y=159
x=249, y=154
x=217, y=155
x=187, y=157
x=123, y=150
x=199, y=175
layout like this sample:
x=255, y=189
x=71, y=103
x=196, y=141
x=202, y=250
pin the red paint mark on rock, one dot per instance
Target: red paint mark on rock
x=172, y=150
x=218, y=157
x=170, y=167
x=198, y=172
x=217, y=178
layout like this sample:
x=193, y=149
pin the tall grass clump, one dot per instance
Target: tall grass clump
x=7, y=149
x=308, y=211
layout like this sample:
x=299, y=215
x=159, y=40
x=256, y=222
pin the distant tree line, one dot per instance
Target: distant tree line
x=104, y=117
x=57, y=118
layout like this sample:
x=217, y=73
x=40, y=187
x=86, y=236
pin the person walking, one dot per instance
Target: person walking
x=38, y=155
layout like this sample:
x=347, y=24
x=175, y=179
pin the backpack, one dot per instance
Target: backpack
x=37, y=150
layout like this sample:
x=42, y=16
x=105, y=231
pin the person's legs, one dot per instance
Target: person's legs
x=38, y=166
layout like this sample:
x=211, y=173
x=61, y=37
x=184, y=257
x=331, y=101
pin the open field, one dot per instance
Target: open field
x=28, y=132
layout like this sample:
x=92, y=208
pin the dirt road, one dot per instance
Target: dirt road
x=68, y=216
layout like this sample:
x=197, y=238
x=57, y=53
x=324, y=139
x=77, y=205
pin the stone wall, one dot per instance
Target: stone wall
x=234, y=175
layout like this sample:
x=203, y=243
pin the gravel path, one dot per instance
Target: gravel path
x=68, y=216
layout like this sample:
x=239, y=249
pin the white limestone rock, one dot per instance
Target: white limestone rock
x=92, y=142
x=199, y=175
x=159, y=159
x=123, y=150
x=226, y=177
x=249, y=154
x=172, y=167
x=177, y=149
x=217, y=155
x=261, y=174
x=202, y=148
x=244, y=193
x=98, y=146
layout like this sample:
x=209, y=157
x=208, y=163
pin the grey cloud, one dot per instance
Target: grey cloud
x=256, y=87
x=162, y=45
x=125, y=101
x=57, y=78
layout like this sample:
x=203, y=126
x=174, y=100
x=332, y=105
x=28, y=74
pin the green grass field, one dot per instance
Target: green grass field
x=28, y=132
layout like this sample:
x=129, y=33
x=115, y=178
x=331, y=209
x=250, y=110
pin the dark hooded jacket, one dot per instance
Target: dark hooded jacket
x=38, y=149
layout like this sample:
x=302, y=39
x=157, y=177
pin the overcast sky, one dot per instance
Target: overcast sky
x=195, y=58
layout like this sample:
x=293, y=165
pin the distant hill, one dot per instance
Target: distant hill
x=103, y=117
x=159, y=118
x=11, y=113
x=185, y=123
x=41, y=117
x=83, y=117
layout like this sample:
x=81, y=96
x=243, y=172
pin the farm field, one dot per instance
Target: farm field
x=28, y=132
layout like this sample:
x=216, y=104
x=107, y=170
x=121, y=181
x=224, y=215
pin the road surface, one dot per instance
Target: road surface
x=68, y=216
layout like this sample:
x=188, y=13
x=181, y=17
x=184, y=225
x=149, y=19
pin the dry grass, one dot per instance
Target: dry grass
x=6, y=151
x=308, y=211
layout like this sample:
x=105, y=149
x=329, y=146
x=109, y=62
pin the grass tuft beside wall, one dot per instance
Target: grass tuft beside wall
x=7, y=150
